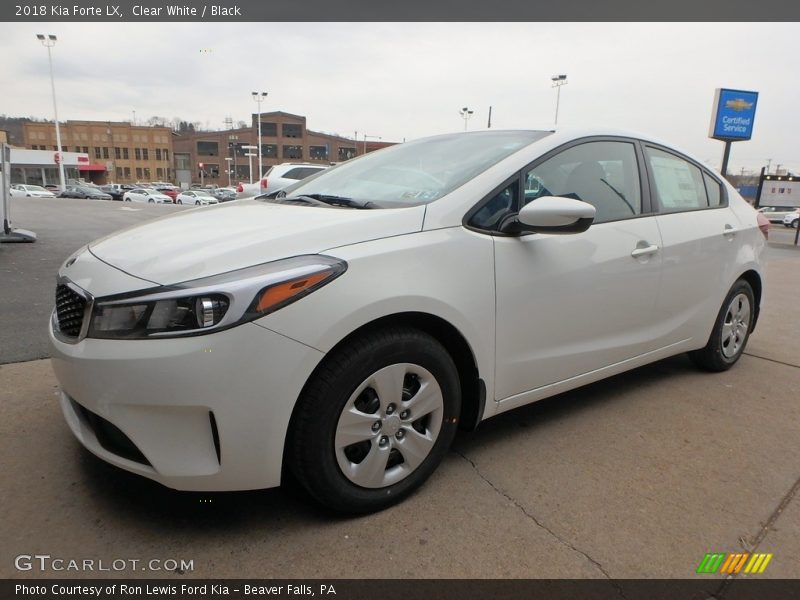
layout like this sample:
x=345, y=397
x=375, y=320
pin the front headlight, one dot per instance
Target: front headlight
x=213, y=303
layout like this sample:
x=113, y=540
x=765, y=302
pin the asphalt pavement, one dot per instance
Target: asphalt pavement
x=637, y=476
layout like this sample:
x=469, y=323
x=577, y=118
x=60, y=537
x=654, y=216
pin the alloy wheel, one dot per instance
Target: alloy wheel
x=736, y=325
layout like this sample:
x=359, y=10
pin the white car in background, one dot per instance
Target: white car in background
x=30, y=191
x=196, y=197
x=345, y=331
x=278, y=177
x=792, y=219
x=775, y=214
x=148, y=195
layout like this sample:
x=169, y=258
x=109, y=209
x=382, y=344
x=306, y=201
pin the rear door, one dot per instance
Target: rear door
x=699, y=233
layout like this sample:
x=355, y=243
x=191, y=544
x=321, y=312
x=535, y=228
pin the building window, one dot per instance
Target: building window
x=292, y=130
x=160, y=173
x=96, y=152
x=145, y=155
x=269, y=129
x=105, y=152
x=125, y=154
x=77, y=148
x=207, y=149
x=85, y=150
x=147, y=173
x=269, y=150
x=138, y=173
x=127, y=171
x=118, y=153
x=292, y=151
x=166, y=154
x=119, y=173
x=346, y=152
x=138, y=153
x=158, y=153
x=318, y=152
x=183, y=161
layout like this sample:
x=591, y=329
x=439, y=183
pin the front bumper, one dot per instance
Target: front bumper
x=199, y=413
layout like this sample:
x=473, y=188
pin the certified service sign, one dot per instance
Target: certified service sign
x=733, y=114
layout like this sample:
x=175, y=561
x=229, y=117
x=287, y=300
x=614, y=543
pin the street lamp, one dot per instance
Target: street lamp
x=558, y=81
x=49, y=42
x=259, y=98
x=374, y=137
x=466, y=114
x=228, y=160
x=250, y=154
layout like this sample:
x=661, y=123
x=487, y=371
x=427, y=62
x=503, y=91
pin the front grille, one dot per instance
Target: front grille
x=70, y=307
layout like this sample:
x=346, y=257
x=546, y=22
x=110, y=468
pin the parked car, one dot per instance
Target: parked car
x=52, y=187
x=344, y=331
x=114, y=190
x=169, y=190
x=84, y=191
x=792, y=219
x=775, y=214
x=224, y=194
x=278, y=177
x=30, y=191
x=148, y=195
x=198, y=197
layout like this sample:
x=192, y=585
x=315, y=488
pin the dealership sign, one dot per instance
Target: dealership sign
x=732, y=115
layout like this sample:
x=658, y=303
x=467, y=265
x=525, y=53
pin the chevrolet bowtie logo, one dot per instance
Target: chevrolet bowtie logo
x=739, y=105
x=731, y=564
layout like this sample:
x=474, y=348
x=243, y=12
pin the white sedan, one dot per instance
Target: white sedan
x=196, y=197
x=148, y=195
x=345, y=331
x=30, y=191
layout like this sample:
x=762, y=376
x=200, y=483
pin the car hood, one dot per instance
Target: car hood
x=204, y=242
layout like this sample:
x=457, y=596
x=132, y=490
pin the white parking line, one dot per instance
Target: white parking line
x=129, y=209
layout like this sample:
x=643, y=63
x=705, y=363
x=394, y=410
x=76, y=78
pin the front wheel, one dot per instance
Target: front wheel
x=731, y=330
x=180, y=201
x=151, y=201
x=197, y=203
x=375, y=420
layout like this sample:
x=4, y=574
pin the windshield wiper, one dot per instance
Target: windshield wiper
x=337, y=201
x=301, y=200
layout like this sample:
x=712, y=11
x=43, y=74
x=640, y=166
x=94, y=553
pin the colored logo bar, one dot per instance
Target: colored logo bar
x=731, y=564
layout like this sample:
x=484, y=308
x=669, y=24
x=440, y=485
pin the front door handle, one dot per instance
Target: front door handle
x=730, y=230
x=637, y=252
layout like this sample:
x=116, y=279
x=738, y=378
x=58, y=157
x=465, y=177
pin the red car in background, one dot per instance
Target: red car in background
x=169, y=190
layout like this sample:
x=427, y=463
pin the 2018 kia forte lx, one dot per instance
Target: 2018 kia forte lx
x=345, y=329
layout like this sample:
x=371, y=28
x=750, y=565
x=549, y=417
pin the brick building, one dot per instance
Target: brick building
x=118, y=151
x=284, y=138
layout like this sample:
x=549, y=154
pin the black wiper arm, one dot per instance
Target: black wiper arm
x=342, y=201
x=302, y=200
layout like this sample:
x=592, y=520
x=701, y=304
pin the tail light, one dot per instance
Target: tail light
x=264, y=183
x=240, y=188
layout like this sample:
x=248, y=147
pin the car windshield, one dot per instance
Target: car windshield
x=416, y=172
x=36, y=188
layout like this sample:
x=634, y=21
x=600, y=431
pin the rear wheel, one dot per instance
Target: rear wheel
x=731, y=330
x=197, y=203
x=180, y=201
x=375, y=421
x=151, y=201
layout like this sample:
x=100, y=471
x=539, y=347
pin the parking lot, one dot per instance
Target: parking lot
x=638, y=476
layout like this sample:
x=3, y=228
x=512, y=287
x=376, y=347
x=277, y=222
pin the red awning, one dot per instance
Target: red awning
x=91, y=168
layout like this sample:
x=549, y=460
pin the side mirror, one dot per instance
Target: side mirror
x=552, y=214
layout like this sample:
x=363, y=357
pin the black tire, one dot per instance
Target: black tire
x=151, y=201
x=728, y=340
x=197, y=203
x=311, y=449
x=180, y=201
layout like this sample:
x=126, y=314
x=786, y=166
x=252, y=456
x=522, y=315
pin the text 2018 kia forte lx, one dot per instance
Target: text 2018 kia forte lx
x=344, y=330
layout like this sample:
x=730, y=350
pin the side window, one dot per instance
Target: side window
x=294, y=173
x=604, y=174
x=714, y=190
x=497, y=207
x=679, y=184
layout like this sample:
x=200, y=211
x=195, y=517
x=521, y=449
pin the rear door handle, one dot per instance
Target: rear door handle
x=637, y=252
x=730, y=230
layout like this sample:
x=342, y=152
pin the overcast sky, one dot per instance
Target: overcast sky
x=408, y=80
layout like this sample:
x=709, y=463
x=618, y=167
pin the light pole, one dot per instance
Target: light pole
x=49, y=42
x=228, y=160
x=374, y=137
x=558, y=81
x=466, y=114
x=259, y=98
